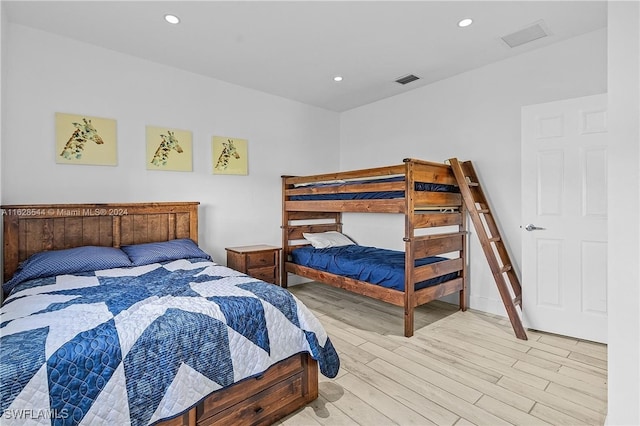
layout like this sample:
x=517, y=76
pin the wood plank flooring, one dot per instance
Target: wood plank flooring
x=460, y=368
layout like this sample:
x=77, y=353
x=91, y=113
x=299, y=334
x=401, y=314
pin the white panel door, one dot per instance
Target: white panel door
x=564, y=217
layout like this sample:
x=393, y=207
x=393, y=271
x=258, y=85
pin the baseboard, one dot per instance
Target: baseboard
x=484, y=304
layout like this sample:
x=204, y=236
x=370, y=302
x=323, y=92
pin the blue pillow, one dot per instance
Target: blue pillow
x=144, y=254
x=68, y=261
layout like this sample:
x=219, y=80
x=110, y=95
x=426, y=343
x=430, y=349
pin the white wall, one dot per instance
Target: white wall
x=47, y=74
x=624, y=214
x=473, y=116
x=3, y=48
x=3, y=44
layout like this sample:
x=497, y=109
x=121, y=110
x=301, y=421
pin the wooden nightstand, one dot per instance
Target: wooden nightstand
x=260, y=261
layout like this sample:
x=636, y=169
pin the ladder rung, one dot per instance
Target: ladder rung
x=470, y=182
x=494, y=239
x=483, y=210
x=517, y=300
x=505, y=268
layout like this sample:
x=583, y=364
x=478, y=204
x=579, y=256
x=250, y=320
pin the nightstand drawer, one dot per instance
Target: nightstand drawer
x=261, y=258
x=267, y=274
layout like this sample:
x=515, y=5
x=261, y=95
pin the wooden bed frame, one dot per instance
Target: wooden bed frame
x=28, y=229
x=421, y=209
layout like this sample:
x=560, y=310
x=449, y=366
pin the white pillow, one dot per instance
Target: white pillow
x=327, y=239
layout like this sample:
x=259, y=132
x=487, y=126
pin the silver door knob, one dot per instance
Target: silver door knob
x=531, y=227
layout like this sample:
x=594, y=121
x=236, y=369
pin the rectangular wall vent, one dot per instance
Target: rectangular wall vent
x=407, y=79
x=533, y=32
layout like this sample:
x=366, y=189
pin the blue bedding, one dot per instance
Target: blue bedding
x=419, y=186
x=374, y=265
x=137, y=345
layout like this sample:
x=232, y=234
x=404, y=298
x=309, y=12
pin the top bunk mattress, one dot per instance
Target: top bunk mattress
x=419, y=186
x=378, y=266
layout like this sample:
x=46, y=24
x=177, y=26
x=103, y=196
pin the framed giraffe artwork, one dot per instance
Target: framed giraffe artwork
x=169, y=149
x=230, y=156
x=81, y=139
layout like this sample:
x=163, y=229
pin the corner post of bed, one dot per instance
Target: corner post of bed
x=284, y=275
x=10, y=245
x=310, y=380
x=409, y=257
x=193, y=222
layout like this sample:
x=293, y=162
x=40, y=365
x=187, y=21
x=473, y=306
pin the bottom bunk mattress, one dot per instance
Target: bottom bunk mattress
x=371, y=264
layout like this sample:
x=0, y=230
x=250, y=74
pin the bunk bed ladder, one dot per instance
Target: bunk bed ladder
x=491, y=242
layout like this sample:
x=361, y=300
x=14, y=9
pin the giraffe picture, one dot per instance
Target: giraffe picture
x=81, y=139
x=169, y=149
x=230, y=156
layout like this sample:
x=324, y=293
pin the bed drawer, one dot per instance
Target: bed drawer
x=262, y=408
x=216, y=403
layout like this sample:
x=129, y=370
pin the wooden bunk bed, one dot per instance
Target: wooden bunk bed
x=435, y=212
x=282, y=389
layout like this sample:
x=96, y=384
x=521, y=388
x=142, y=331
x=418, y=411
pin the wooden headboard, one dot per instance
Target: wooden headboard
x=29, y=229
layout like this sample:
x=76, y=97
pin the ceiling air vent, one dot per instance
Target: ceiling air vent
x=407, y=79
x=532, y=32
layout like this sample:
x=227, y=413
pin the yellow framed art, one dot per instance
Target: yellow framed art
x=169, y=149
x=81, y=139
x=230, y=156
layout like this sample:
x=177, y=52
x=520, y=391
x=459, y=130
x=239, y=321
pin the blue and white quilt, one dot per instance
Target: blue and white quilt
x=141, y=344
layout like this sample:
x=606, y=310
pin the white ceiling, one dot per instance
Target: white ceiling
x=295, y=48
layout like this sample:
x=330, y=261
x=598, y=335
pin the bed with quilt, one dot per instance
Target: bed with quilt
x=151, y=333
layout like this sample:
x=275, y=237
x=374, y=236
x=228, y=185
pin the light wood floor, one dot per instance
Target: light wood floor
x=460, y=368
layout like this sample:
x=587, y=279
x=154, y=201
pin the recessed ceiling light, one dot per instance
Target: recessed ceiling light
x=172, y=19
x=465, y=22
x=337, y=78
